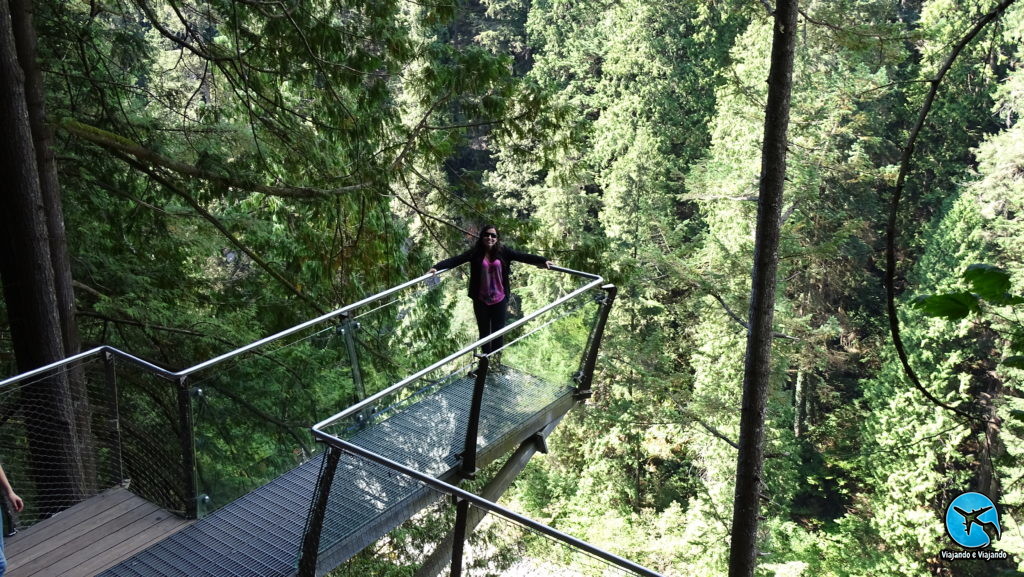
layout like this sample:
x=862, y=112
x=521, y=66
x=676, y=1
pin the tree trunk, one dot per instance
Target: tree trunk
x=799, y=404
x=42, y=136
x=28, y=283
x=26, y=43
x=757, y=369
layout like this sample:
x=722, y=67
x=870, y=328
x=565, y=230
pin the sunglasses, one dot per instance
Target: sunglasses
x=488, y=235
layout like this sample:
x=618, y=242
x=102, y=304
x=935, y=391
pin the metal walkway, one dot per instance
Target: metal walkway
x=260, y=535
x=385, y=458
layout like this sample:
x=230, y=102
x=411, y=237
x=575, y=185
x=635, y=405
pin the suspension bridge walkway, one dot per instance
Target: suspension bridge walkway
x=399, y=451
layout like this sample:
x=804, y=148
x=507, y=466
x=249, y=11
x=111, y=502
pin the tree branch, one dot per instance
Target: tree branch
x=291, y=429
x=744, y=198
x=707, y=426
x=840, y=29
x=133, y=323
x=227, y=234
x=742, y=322
x=149, y=158
x=175, y=38
x=894, y=203
x=715, y=432
x=425, y=218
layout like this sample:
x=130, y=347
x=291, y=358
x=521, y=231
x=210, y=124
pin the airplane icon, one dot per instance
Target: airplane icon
x=971, y=519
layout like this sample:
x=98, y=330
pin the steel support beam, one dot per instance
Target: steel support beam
x=443, y=553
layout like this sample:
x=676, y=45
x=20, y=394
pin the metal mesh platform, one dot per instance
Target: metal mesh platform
x=260, y=535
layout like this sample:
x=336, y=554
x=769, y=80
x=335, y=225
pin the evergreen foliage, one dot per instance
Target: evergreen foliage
x=229, y=168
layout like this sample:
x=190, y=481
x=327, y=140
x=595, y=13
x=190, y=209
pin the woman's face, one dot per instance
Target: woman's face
x=490, y=237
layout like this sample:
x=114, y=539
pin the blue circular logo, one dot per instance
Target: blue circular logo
x=973, y=521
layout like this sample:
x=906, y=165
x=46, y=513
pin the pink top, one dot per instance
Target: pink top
x=491, y=291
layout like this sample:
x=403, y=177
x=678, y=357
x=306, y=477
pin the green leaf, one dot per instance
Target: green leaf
x=1014, y=362
x=990, y=282
x=1017, y=340
x=952, y=306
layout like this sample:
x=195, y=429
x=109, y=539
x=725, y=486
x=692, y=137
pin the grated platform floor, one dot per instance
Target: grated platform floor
x=260, y=534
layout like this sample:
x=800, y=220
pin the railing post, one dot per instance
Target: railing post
x=347, y=330
x=585, y=376
x=459, y=536
x=114, y=406
x=317, y=513
x=468, y=465
x=187, y=439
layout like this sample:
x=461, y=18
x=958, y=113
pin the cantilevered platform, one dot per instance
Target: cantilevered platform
x=89, y=537
x=260, y=535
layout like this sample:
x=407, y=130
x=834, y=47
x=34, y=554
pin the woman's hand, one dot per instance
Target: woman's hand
x=432, y=271
x=15, y=501
x=548, y=264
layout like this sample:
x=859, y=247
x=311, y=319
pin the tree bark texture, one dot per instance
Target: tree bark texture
x=28, y=284
x=757, y=368
x=26, y=43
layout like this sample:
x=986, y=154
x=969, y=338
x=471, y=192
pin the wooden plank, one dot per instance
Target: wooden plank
x=48, y=528
x=89, y=547
x=93, y=564
x=74, y=536
x=90, y=537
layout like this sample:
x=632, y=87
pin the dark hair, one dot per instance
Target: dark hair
x=479, y=246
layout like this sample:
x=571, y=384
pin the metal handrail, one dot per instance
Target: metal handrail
x=173, y=376
x=339, y=312
x=85, y=355
x=362, y=405
x=482, y=503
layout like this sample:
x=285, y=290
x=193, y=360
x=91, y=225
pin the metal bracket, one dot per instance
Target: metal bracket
x=541, y=441
x=580, y=395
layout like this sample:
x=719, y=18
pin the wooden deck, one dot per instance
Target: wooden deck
x=89, y=537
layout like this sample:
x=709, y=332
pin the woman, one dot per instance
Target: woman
x=490, y=263
x=17, y=503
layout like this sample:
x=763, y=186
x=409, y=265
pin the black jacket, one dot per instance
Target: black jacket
x=475, y=259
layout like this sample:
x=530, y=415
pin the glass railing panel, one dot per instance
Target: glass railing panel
x=425, y=537
x=532, y=289
x=548, y=346
x=377, y=513
x=552, y=346
x=502, y=546
x=251, y=413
